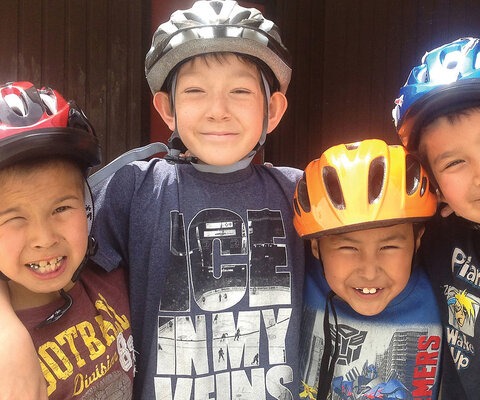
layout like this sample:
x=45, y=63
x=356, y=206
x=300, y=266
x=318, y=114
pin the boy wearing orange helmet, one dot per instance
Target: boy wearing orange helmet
x=370, y=320
x=77, y=314
x=437, y=115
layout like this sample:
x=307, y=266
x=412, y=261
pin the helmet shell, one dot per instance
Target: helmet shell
x=41, y=123
x=361, y=185
x=216, y=26
x=446, y=81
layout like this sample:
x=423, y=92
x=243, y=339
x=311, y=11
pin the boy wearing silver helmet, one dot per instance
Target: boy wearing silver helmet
x=216, y=268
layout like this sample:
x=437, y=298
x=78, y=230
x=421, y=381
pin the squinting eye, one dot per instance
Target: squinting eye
x=390, y=247
x=453, y=163
x=241, y=91
x=61, y=209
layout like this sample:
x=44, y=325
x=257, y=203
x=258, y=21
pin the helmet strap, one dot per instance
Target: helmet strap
x=92, y=247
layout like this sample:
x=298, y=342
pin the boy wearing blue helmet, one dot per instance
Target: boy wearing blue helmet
x=437, y=115
x=215, y=264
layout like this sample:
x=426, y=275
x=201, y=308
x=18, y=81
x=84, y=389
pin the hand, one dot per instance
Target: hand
x=20, y=375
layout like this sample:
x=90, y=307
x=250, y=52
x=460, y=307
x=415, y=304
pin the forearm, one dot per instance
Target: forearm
x=20, y=374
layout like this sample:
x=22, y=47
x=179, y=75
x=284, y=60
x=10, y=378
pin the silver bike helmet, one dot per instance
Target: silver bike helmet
x=216, y=26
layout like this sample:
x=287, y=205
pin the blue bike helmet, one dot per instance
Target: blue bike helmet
x=447, y=81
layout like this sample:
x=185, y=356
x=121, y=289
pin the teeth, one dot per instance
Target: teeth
x=367, y=290
x=46, y=266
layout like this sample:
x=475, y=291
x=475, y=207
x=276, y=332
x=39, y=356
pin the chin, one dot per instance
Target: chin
x=370, y=311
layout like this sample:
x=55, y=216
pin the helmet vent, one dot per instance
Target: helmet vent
x=333, y=187
x=241, y=16
x=49, y=101
x=412, y=170
x=189, y=16
x=217, y=6
x=16, y=104
x=303, y=197
x=450, y=60
x=352, y=146
x=376, y=179
x=423, y=188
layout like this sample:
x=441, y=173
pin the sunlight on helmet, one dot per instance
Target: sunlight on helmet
x=16, y=104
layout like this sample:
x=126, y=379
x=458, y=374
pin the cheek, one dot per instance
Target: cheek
x=78, y=234
x=334, y=276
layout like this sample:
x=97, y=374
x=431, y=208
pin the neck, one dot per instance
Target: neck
x=23, y=298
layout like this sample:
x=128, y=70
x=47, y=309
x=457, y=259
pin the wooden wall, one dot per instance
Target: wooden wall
x=350, y=57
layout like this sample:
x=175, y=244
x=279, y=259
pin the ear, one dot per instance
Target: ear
x=161, y=101
x=276, y=108
x=418, y=239
x=314, y=245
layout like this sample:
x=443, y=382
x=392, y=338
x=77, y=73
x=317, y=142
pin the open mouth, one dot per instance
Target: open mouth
x=368, y=290
x=46, y=266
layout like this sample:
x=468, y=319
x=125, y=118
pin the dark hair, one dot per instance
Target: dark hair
x=220, y=56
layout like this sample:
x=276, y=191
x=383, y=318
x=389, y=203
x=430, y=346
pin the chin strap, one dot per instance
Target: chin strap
x=91, y=250
x=327, y=365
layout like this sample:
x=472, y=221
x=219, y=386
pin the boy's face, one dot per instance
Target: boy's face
x=453, y=153
x=368, y=268
x=43, y=226
x=220, y=108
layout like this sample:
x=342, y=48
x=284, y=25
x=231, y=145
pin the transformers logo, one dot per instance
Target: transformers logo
x=350, y=341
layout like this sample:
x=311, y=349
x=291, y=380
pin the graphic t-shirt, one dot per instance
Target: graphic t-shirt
x=392, y=355
x=451, y=249
x=88, y=353
x=216, y=274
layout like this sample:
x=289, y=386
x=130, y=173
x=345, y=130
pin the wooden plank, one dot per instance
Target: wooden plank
x=117, y=73
x=9, y=11
x=54, y=32
x=76, y=50
x=135, y=62
x=96, y=85
x=29, y=41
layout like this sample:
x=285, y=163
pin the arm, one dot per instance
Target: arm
x=20, y=373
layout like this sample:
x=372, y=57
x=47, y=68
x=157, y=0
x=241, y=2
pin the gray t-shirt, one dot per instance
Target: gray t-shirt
x=216, y=273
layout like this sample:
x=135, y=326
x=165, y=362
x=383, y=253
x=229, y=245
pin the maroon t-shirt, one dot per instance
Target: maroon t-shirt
x=88, y=353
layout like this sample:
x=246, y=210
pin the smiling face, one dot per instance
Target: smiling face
x=452, y=148
x=43, y=228
x=368, y=268
x=220, y=108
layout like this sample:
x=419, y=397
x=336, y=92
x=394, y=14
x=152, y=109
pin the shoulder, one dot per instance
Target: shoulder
x=283, y=174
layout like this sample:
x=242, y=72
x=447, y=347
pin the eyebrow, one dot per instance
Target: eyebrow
x=345, y=238
x=59, y=200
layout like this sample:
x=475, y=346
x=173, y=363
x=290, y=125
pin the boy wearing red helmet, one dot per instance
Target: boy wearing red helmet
x=437, y=115
x=370, y=322
x=78, y=318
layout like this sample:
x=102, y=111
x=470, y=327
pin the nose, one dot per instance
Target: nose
x=43, y=234
x=368, y=267
x=476, y=174
x=218, y=107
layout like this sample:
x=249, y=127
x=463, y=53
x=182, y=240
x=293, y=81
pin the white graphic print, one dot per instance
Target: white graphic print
x=226, y=307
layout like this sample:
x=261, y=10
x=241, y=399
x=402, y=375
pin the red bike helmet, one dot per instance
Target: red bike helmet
x=361, y=185
x=39, y=123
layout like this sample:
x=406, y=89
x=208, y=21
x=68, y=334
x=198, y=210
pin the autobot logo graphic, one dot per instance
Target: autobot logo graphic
x=350, y=341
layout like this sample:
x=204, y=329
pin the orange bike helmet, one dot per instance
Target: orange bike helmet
x=361, y=185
